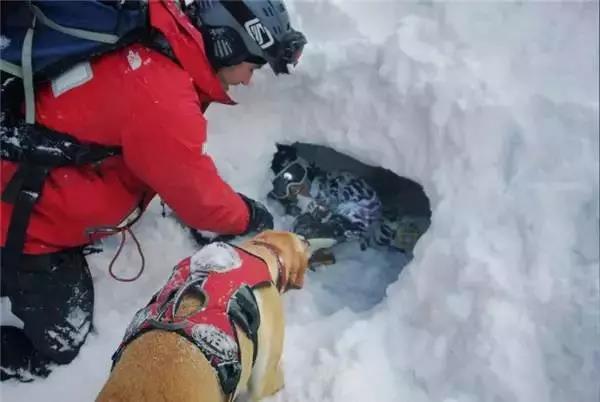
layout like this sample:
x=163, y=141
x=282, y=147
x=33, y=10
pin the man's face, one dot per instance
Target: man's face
x=238, y=74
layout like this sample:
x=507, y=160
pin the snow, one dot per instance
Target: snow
x=4, y=42
x=493, y=108
x=219, y=257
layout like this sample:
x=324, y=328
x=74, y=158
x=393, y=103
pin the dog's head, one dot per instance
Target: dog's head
x=292, y=251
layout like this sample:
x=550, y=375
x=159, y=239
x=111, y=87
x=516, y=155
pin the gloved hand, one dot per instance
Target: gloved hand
x=260, y=218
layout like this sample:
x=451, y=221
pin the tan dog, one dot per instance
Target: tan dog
x=164, y=366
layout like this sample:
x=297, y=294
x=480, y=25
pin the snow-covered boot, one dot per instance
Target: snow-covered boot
x=20, y=360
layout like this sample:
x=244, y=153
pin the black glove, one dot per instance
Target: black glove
x=260, y=217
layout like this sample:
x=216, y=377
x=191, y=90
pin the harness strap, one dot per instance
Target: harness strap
x=24, y=190
x=243, y=310
x=281, y=277
x=228, y=374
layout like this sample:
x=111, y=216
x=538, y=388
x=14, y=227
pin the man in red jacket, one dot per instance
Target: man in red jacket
x=148, y=100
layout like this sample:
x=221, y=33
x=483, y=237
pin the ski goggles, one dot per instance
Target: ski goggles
x=281, y=50
x=284, y=57
x=290, y=180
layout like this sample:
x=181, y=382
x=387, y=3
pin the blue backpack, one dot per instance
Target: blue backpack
x=43, y=38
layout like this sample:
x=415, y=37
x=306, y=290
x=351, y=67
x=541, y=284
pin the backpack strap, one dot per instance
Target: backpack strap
x=26, y=71
x=40, y=151
x=27, y=74
x=124, y=24
x=23, y=191
x=11, y=68
x=75, y=32
x=39, y=145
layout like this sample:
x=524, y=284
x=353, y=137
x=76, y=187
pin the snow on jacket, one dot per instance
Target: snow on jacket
x=141, y=100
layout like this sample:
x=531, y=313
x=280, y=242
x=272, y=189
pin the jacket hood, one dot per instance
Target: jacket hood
x=188, y=46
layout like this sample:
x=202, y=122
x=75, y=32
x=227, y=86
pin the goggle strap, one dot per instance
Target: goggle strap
x=285, y=169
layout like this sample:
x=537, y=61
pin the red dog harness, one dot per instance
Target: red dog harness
x=223, y=277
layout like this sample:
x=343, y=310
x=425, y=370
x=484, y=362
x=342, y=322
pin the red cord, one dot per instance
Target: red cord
x=112, y=262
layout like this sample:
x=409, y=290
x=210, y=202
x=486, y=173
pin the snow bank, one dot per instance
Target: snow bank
x=493, y=107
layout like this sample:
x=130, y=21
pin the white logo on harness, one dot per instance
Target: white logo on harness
x=259, y=33
x=216, y=257
x=214, y=341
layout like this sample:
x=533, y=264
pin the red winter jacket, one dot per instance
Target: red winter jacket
x=149, y=105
